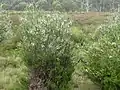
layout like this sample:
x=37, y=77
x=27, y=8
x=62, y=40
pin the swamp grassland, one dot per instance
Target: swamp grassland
x=13, y=70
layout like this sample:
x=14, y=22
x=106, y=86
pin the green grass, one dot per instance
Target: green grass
x=12, y=67
x=84, y=33
x=12, y=71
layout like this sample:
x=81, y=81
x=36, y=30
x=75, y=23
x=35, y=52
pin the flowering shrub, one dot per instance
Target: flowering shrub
x=47, y=50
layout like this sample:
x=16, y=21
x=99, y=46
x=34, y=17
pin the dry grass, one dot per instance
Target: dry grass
x=90, y=17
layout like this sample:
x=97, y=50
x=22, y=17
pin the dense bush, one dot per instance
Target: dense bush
x=47, y=50
x=10, y=32
x=4, y=26
x=13, y=72
x=102, y=60
x=78, y=35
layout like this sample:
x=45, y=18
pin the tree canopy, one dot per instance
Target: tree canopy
x=63, y=5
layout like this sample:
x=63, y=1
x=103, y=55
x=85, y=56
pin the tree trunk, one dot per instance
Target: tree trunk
x=87, y=5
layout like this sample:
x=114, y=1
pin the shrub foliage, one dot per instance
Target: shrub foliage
x=103, y=58
x=47, y=50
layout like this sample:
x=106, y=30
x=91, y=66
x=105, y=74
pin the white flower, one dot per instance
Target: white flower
x=110, y=56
